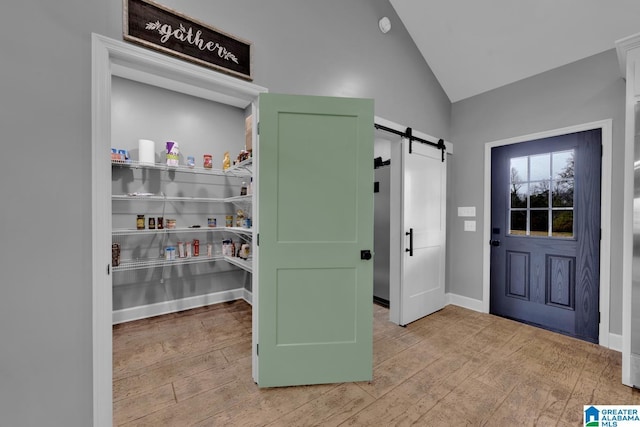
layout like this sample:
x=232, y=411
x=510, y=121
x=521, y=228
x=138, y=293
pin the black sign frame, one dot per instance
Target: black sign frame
x=158, y=27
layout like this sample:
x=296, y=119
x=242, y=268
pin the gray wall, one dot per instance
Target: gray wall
x=324, y=47
x=588, y=90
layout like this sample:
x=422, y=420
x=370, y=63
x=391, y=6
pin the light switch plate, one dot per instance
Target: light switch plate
x=469, y=226
x=466, y=211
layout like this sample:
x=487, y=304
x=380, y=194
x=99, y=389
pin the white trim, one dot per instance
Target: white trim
x=605, y=214
x=247, y=295
x=465, y=302
x=401, y=128
x=615, y=342
x=623, y=46
x=100, y=226
x=111, y=57
x=173, y=306
x=628, y=49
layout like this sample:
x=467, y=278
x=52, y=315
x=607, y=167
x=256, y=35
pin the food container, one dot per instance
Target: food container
x=171, y=223
x=196, y=247
x=211, y=222
x=152, y=223
x=207, y=161
x=181, y=252
x=159, y=224
x=228, y=221
x=191, y=161
x=140, y=222
x=173, y=153
x=115, y=254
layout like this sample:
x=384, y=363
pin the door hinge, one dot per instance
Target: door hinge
x=599, y=317
x=108, y=269
x=258, y=128
x=257, y=349
x=258, y=239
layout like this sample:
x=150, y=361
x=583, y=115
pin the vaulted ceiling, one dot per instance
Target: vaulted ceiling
x=475, y=46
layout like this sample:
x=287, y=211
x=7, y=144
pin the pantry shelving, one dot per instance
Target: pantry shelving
x=147, y=248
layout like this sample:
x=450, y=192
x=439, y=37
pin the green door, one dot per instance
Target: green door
x=315, y=211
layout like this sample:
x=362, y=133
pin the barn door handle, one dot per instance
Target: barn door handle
x=494, y=242
x=410, y=234
x=365, y=254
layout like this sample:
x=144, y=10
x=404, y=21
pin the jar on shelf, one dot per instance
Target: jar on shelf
x=140, y=222
x=171, y=223
x=207, y=161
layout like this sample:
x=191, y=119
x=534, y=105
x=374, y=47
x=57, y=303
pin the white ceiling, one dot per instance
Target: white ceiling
x=474, y=46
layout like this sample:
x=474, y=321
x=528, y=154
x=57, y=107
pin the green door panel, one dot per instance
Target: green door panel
x=315, y=209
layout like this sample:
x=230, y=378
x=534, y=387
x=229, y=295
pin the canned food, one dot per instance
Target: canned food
x=171, y=223
x=196, y=247
x=211, y=222
x=228, y=221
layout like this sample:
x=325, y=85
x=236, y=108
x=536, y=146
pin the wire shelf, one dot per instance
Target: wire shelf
x=127, y=265
x=136, y=232
x=241, y=169
x=239, y=262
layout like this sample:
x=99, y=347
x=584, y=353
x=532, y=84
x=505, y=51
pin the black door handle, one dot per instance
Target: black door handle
x=494, y=242
x=410, y=234
x=365, y=254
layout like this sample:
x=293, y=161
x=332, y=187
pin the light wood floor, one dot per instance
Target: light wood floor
x=455, y=367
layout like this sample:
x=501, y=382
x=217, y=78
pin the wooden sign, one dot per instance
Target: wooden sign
x=158, y=27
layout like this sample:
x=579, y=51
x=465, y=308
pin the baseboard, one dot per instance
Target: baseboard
x=150, y=310
x=247, y=295
x=615, y=342
x=464, y=302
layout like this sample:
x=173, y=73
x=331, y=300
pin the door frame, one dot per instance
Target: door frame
x=605, y=214
x=109, y=58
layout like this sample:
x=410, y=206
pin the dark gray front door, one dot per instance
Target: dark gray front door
x=545, y=233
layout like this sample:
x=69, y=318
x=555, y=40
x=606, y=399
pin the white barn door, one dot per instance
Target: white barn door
x=422, y=232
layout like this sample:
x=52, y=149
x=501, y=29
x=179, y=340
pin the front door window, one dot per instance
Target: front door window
x=541, y=195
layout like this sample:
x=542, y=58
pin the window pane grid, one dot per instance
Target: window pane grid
x=541, y=195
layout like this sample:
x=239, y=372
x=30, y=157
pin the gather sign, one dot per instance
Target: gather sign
x=158, y=27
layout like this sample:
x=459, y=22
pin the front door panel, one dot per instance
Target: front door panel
x=316, y=215
x=545, y=232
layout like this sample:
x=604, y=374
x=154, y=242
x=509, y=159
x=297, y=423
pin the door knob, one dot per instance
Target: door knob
x=365, y=254
x=494, y=242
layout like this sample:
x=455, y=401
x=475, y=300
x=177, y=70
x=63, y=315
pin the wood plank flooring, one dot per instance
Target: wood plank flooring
x=455, y=367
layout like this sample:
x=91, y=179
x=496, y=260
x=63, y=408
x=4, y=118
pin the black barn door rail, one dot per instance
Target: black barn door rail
x=408, y=134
